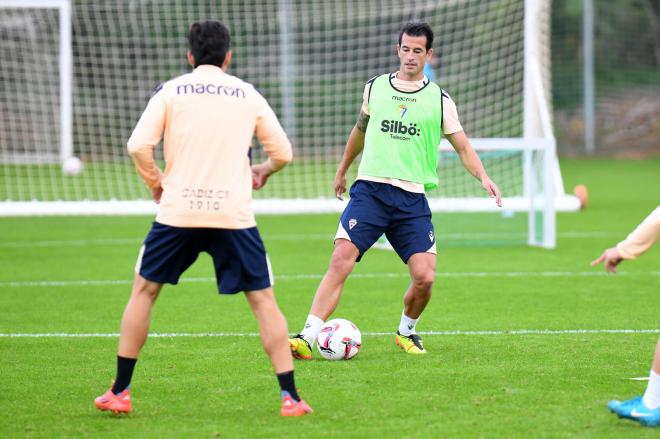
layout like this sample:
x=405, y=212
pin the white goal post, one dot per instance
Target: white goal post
x=64, y=59
x=79, y=95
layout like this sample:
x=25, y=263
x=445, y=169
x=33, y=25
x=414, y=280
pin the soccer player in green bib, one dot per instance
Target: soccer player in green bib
x=401, y=121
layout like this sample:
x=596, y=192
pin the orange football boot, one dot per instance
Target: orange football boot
x=292, y=408
x=116, y=403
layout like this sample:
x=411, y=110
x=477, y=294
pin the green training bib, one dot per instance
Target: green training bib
x=403, y=134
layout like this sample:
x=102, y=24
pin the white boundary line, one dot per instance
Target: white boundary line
x=369, y=334
x=72, y=243
x=288, y=237
x=288, y=277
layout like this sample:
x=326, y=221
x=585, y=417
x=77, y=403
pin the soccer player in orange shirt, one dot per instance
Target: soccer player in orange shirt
x=644, y=409
x=207, y=119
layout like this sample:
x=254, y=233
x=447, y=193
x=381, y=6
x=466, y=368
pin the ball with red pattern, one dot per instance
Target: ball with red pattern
x=339, y=339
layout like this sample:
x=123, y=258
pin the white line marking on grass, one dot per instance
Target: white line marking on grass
x=64, y=283
x=598, y=273
x=110, y=335
x=590, y=234
x=640, y=379
x=370, y=334
x=288, y=237
x=541, y=332
x=71, y=243
x=302, y=276
x=454, y=236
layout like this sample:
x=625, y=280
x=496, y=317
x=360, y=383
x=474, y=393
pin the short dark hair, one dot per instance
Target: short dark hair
x=418, y=29
x=209, y=42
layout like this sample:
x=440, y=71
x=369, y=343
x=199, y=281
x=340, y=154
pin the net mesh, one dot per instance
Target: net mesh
x=626, y=57
x=310, y=59
x=29, y=100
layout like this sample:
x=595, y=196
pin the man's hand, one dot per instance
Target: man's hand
x=260, y=174
x=492, y=189
x=611, y=257
x=340, y=185
x=156, y=193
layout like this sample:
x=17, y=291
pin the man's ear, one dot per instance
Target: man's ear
x=191, y=58
x=227, y=60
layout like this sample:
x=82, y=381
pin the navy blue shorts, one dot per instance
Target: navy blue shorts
x=238, y=255
x=376, y=208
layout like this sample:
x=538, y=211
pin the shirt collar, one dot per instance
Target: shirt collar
x=421, y=83
x=208, y=68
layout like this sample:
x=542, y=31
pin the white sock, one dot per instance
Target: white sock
x=407, y=325
x=652, y=395
x=312, y=328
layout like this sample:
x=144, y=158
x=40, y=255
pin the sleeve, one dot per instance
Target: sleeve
x=642, y=238
x=270, y=133
x=365, y=96
x=147, y=134
x=450, y=122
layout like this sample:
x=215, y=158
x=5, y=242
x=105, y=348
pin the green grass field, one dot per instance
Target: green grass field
x=518, y=336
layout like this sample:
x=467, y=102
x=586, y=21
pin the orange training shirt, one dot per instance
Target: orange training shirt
x=642, y=238
x=206, y=119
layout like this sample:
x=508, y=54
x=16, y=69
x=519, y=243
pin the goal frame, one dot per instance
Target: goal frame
x=537, y=141
x=65, y=66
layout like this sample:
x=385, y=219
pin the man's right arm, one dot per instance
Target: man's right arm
x=276, y=145
x=642, y=238
x=354, y=147
x=147, y=134
x=639, y=241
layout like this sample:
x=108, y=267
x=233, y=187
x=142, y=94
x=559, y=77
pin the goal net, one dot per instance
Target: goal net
x=76, y=88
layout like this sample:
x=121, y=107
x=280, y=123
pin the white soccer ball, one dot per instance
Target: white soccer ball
x=339, y=339
x=72, y=166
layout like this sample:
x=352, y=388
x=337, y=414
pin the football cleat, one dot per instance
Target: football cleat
x=300, y=348
x=636, y=410
x=291, y=407
x=116, y=403
x=412, y=343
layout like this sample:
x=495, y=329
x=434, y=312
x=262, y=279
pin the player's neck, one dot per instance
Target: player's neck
x=403, y=77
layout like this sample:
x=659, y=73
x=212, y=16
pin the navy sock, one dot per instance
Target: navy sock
x=287, y=384
x=125, y=368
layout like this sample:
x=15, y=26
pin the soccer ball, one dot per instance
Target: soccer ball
x=72, y=166
x=339, y=339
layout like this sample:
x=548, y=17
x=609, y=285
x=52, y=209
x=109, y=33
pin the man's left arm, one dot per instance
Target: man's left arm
x=472, y=163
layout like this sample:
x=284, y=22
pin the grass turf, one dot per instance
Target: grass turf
x=470, y=385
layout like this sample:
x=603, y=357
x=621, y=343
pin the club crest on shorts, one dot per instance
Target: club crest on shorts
x=352, y=223
x=431, y=235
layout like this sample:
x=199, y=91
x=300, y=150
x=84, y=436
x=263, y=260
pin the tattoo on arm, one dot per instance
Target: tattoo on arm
x=362, y=122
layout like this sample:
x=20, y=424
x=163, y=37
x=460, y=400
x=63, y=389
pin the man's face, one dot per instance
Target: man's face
x=413, y=55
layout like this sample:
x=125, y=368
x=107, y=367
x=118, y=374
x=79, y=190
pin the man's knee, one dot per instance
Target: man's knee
x=340, y=263
x=146, y=288
x=264, y=304
x=424, y=281
x=344, y=256
x=259, y=298
x=423, y=277
x=422, y=270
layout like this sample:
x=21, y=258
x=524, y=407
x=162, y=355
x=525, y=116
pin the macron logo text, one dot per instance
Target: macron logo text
x=211, y=89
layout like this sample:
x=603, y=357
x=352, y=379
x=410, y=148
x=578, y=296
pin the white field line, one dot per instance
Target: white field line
x=290, y=237
x=302, y=276
x=72, y=243
x=368, y=334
